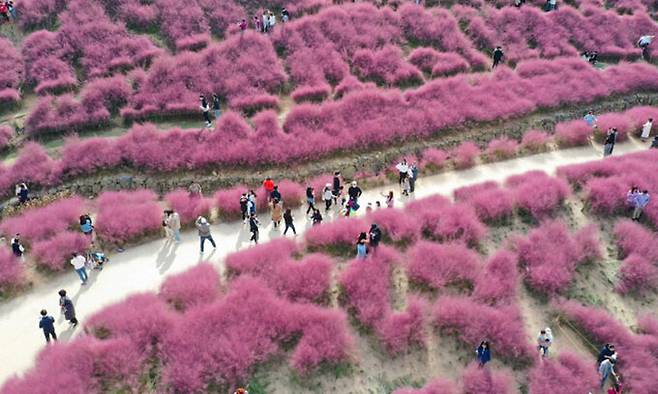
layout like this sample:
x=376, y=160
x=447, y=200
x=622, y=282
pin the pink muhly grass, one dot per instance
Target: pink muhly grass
x=550, y=255
x=493, y=205
x=589, y=243
x=41, y=223
x=607, y=195
x=144, y=319
x=340, y=234
x=436, y=386
x=472, y=321
x=538, y=194
x=366, y=285
x=501, y=149
x=13, y=73
x=498, y=280
x=314, y=93
x=464, y=155
x=189, y=206
x=477, y=380
x=124, y=216
x=534, y=141
x=441, y=265
x=88, y=155
x=466, y=193
x=197, y=286
x=307, y=280
x=55, y=252
x=5, y=135
x=228, y=201
x=637, y=275
x=633, y=238
x=449, y=63
x=401, y=330
x=261, y=260
x=433, y=159
x=572, y=133
x=396, y=225
x=568, y=371
x=34, y=166
x=620, y=121
x=12, y=274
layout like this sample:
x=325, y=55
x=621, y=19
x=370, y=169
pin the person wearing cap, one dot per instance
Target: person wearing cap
x=327, y=196
x=203, y=227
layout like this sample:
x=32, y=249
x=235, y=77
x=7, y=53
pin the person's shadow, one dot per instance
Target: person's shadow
x=243, y=236
x=209, y=257
x=167, y=256
x=67, y=334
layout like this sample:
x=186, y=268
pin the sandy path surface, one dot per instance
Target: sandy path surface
x=143, y=268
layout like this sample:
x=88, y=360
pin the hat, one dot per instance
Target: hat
x=328, y=185
x=202, y=220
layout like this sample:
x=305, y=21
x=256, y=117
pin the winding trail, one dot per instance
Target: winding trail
x=143, y=268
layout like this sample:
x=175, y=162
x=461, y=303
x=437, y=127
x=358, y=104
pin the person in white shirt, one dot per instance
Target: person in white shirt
x=644, y=43
x=544, y=341
x=646, y=129
x=272, y=21
x=78, y=262
x=403, y=169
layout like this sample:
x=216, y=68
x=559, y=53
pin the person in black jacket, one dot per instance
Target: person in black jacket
x=610, y=141
x=47, y=324
x=354, y=192
x=336, y=186
x=497, y=56
x=253, y=227
x=205, y=109
x=375, y=236
x=288, y=220
x=216, y=108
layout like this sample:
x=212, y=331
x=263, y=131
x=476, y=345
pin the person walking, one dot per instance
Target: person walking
x=646, y=130
x=361, y=246
x=277, y=212
x=86, y=225
x=271, y=21
x=310, y=200
x=544, y=342
x=641, y=201
x=497, y=56
x=327, y=196
x=413, y=176
x=607, y=369
x=216, y=107
x=316, y=217
x=47, y=324
x=205, y=109
x=403, y=169
x=288, y=220
x=67, y=308
x=590, y=119
x=78, y=262
x=607, y=351
x=354, y=192
x=609, y=143
x=336, y=186
x=374, y=236
x=253, y=228
x=251, y=202
x=389, y=200
x=644, y=43
x=16, y=247
x=174, y=224
x=243, y=207
x=483, y=353
x=203, y=227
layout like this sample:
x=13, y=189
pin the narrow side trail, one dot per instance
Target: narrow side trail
x=144, y=267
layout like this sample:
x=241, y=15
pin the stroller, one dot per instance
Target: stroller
x=96, y=260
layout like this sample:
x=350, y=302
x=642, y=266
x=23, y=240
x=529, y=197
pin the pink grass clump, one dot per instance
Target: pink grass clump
x=197, y=286
x=472, y=321
x=307, y=280
x=385, y=66
x=501, y=149
x=400, y=330
x=12, y=274
x=292, y=194
x=55, y=252
x=314, y=93
x=477, y=380
x=188, y=206
x=491, y=203
x=13, y=73
x=550, y=255
x=262, y=259
x=607, y=195
x=620, y=121
x=339, y=234
x=637, y=275
x=433, y=159
x=436, y=386
x=395, y=225
x=633, y=238
x=572, y=133
x=440, y=265
x=5, y=135
x=534, y=141
x=441, y=220
x=41, y=223
x=498, y=280
x=124, y=216
x=465, y=154
x=538, y=194
x=568, y=371
x=144, y=319
x=228, y=201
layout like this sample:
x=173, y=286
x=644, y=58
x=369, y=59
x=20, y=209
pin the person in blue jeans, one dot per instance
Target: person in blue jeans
x=78, y=262
x=483, y=353
x=203, y=227
x=47, y=324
